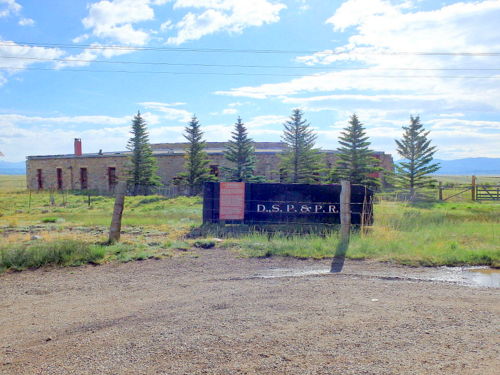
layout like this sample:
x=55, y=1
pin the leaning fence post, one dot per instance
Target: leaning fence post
x=345, y=211
x=116, y=221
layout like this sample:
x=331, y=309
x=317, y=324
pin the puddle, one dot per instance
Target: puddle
x=287, y=272
x=467, y=276
x=485, y=277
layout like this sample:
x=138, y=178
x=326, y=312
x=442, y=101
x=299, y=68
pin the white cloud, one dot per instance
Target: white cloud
x=380, y=30
x=20, y=135
x=237, y=104
x=8, y=7
x=355, y=12
x=167, y=25
x=12, y=8
x=465, y=125
x=88, y=55
x=266, y=121
x=454, y=138
x=115, y=20
x=81, y=38
x=303, y=5
x=225, y=111
x=229, y=111
x=26, y=22
x=167, y=112
x=18, y=57
x=214, y=16
x=67, y=120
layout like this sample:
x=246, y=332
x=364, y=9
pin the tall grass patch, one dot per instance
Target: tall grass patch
x=432, y=235
x=35, y=254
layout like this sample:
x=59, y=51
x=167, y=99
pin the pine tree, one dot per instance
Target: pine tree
x=417, y=152
x=196, y=165
x=300, y=162
x=356, y=162
x=142, y=175
x=240, y=151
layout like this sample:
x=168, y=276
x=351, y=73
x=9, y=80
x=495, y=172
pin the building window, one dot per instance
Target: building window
x=39, y=178
x=112, y=180
x=84, y=182
x=59, y=178
x=214, y=170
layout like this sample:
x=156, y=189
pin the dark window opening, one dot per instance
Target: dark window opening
x=214, y=170
x=39, y=178
x=112, y=180
x=59, y=178
x=84, y=183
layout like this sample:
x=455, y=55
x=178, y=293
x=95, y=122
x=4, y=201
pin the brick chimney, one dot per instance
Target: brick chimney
x=78, y=147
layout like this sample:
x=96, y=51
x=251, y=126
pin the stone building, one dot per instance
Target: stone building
x=100, y=171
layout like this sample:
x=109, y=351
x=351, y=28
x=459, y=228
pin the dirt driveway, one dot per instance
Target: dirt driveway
x=220, y=314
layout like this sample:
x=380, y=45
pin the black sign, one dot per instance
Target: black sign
x=282, y=203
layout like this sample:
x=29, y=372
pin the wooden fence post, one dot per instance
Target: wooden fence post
x=440, y=187
x=116, y=221
x=345, y=227
x=345, y=211
x=473, y=188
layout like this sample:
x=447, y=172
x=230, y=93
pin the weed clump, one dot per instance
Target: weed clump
x=49, y=220
x=60, y=252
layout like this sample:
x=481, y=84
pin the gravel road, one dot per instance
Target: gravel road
x=221, y=314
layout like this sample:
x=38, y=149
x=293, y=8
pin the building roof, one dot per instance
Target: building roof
x=164, y=149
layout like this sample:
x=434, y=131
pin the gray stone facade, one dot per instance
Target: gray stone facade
x=100, y=171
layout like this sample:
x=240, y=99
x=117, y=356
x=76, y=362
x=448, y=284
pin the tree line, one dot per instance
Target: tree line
x=300, y=162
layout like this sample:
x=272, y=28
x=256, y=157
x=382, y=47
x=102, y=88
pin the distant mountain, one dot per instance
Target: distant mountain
x=12, y=167
x=469, y=166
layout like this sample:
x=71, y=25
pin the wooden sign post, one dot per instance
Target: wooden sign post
x=345, y=211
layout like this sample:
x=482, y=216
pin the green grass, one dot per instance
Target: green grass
x=444, y=234
x=451, y=179
x=426, y=233
x=38, y=254
x=12, y=183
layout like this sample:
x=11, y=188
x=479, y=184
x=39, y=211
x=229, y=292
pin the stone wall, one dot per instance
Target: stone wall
x=97, y=171
x=169, y=165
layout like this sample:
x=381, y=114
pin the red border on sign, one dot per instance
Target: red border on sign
x=232, y=201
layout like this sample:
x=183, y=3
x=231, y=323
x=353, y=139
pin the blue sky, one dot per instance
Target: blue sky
x=81, y=69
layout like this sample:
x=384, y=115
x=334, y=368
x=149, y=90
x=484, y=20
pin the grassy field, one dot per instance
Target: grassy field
x=71, y=231
x=12, y=182
x=467, y=180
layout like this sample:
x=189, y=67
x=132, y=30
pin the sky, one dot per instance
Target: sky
x=82, y=69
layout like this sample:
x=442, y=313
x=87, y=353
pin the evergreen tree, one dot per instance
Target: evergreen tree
x=300, y=162
x=240, y=151
x=417, y=153
x=142, y=175
x=355, y=162
x=196, y=165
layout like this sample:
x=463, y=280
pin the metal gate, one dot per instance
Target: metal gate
x=487, y=193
